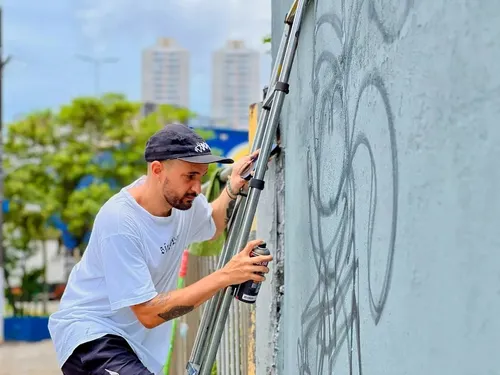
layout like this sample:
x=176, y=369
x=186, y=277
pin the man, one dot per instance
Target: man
x=115, y=314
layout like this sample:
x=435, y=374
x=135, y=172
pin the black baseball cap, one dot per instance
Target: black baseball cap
x=178, y=141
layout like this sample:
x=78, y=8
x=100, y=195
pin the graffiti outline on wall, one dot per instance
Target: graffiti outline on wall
x=331, y=317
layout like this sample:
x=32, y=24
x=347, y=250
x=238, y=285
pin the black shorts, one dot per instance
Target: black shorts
x=107, y=355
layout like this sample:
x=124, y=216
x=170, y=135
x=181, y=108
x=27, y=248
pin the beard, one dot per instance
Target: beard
x=183, y=203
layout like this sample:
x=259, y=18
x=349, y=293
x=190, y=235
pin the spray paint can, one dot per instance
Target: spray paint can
x=247, y=292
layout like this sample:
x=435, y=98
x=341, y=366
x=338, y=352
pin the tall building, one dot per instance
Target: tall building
x=235, y=84
x=165, y=74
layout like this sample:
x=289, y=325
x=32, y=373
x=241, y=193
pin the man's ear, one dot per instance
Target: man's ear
x=155, y=168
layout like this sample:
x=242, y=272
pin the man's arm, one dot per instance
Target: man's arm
x=221, y=211
x=171, y=305
x=223, y=205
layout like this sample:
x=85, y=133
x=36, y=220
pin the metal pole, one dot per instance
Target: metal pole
x=2, y=254
x=3, y=63
x=97, y=62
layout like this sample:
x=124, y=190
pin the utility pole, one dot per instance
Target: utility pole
x=97, y=62
x=3, y=63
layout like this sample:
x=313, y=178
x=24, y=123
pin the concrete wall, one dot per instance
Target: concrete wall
x=391, y=148
x=268, y=309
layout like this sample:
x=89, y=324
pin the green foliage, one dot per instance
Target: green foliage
x=267, y=40
x=206, y=134
x=83, y=205
x=166, y=113
x=48, y=153
x=22, y=227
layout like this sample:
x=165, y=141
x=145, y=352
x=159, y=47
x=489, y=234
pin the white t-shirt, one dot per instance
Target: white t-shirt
x=131, y=257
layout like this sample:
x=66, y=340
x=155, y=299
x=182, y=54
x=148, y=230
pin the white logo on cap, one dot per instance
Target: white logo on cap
x=202, y=146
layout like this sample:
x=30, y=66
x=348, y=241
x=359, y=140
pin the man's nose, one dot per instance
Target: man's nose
x=197, y=187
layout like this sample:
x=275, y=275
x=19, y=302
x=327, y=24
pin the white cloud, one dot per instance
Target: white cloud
x=239, y=19
x=198, y=23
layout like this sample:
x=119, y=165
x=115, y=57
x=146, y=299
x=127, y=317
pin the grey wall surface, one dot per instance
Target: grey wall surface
x=391, y=188
x=268, y=309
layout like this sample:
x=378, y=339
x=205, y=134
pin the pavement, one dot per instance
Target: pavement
x=37, y=358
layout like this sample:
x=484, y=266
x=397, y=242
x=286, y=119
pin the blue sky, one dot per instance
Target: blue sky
x=43, y=38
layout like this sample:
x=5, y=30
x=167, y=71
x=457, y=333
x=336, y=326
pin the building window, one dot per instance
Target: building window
x=158, y=57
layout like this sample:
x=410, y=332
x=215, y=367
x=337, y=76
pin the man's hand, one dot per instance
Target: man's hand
x=222, y=206
x=242, y=267
x=235, y=181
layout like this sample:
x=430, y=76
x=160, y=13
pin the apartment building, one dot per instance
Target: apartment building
x=235, y=84
x=165, y=74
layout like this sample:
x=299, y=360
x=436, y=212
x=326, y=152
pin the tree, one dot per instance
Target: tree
x=26, y=188
x=73, y=160
x=23, y=229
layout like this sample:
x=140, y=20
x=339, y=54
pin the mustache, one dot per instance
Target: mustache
x=191, y=195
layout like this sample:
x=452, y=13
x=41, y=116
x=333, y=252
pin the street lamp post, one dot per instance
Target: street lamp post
x=97, y=62
x=3, y=63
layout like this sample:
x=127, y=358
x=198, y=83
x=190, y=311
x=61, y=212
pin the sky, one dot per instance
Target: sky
x=44, y=38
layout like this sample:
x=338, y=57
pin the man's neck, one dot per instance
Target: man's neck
x=151, y=199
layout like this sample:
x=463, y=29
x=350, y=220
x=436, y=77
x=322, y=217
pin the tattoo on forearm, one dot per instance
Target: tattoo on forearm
x=175, y=312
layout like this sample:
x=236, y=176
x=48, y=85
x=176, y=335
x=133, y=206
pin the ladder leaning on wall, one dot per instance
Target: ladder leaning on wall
x=217, y=309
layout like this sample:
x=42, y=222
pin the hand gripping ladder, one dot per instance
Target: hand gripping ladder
x=217, y=308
